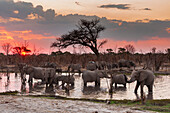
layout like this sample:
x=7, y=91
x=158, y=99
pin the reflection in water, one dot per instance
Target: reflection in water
x=49, y=89
x=90, y=90
x=160, y=89
x=30, y=87
x=23, y=88
x=116, y=89
x=149, y=96
x=120, y=88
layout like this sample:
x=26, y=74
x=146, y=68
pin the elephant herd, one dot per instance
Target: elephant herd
x=93, y=73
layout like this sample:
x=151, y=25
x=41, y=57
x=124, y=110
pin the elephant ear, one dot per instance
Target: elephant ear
x=142, y=76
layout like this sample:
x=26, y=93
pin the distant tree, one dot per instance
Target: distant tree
x=168, y=54
x=109, y=50
x=153, y=50
x=167, y=50
x=21, y=49
x=56, y=53
x=7, y=47
x=130, y=48
x=121, y=50
x=36, y=51
x=86, y=34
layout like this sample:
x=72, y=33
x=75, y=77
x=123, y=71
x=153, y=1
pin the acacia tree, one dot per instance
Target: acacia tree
x=21, y=49
x=121, y=50
x=130, y=48
x=86, y=34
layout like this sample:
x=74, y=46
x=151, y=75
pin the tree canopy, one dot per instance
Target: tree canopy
x=86, y=34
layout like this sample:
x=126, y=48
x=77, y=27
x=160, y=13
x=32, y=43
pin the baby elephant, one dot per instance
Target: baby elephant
x=65, y=79
x=118, y=79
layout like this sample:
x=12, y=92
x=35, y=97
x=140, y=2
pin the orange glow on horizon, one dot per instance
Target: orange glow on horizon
x=168, y=30
x=23, y=53
x=25, y=35
x=144, y=45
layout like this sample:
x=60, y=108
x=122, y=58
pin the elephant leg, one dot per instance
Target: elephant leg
x=72, y=84
x=79, y=72
x=150, y=88
x=72, y=70
x=142, y=95
x=85, y=84
x=99, y=83
x=46, y=85
x=16, y=74
x=96, y=83
x=30, y=79
x=115, y=85
x=50, y=82
x=136, y=88
x=62, y=83
x=111, y=87
x=124, y=85
x=57, y=82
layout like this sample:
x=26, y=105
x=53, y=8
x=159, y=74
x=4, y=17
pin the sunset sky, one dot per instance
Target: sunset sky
x=142, y=23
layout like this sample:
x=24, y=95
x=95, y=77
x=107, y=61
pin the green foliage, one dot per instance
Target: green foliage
x=9, y=93
x=153, y=105
x=1, y=54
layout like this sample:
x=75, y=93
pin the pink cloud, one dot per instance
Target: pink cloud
x=43, y=42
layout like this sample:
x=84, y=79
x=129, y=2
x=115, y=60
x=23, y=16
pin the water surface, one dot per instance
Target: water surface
x=160, y=89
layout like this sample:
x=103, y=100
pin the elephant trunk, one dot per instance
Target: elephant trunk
x=126, y=79
x=131, y=80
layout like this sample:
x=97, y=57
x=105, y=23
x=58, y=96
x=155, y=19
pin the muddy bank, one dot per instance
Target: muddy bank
x=21, y=104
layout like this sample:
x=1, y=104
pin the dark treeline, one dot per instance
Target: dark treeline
x=152, y=60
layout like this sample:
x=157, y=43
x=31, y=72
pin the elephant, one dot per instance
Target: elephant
x=73, y=67
x=53, y=65
x=143, y=77
x=114, y=65
x=20, y=68
x=91, y=66
x=50, y=65
x=118, y=79
x=126, y=63
x=93, y=76
x=101, y=65
x=45, y=74
x=109, y=66
x=64, y=79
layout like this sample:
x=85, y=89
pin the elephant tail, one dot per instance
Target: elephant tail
x=126, y=79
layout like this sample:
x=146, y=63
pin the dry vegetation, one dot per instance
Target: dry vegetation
x=151, y=60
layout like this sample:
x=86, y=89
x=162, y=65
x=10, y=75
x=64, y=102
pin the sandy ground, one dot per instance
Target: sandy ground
x=20, y=104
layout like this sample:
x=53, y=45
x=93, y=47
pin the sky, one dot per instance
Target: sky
x=142, y=23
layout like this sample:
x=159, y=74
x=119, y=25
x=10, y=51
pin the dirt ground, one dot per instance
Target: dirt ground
x=21, y=104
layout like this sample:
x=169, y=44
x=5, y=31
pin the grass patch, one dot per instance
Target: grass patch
x=153, y=105
x=9, y=93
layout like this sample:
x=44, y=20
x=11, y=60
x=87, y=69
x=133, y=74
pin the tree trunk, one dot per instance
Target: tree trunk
x=96, y=52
